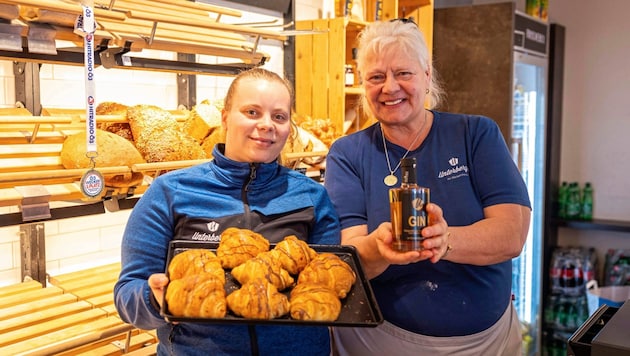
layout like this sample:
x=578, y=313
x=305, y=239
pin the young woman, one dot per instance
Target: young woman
x=244, y=186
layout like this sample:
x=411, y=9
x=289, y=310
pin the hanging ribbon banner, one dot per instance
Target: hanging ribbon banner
x=92, y=181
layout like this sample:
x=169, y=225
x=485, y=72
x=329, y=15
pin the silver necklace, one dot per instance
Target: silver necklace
x=391, y=180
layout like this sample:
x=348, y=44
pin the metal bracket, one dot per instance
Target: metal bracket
x=123, y=345
x=10, y=37
x=33, y=252
x=35, y=202
x=41, y=39
x=113, y=202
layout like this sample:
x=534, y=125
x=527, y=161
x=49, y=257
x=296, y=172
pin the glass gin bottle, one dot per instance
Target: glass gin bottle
x=408, y=209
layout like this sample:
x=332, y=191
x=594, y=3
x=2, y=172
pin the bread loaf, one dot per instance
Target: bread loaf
x=121, y=129
x=112, y=150
x=202, y=120
x=158, y=137
x=217, y=136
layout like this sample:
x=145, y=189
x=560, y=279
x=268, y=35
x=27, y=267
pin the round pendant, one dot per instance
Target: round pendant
x=92, y=183
x=390, y=180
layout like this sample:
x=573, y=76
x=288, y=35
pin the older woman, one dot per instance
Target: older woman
x=454, y=295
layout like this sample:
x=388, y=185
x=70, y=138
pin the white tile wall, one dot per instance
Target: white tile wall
x=78, y=243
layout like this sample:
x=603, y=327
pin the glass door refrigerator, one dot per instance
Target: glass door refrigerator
x=528, y=142
x=493, y=61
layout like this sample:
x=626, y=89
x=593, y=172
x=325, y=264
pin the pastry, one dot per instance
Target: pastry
x=314, y=301
x=294, y=254
x=265, y=265
x=258, y=299
x=330, y=270
x=239, y=245
x=197, y=296
x=194, y=262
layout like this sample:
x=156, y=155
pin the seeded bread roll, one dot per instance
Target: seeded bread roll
x=158, y=138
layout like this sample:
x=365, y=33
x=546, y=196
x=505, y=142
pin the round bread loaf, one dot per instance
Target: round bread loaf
x=112, y=151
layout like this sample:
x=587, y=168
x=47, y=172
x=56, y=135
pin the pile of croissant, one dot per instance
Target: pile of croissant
x=318, y=280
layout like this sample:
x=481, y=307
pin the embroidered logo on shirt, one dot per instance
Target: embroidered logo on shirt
x=455, y=171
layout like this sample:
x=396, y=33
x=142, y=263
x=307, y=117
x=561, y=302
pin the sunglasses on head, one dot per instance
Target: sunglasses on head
x=404, y=20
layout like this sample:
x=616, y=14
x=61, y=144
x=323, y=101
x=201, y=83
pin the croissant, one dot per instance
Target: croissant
x=198, y=296
x=195, y=261
x=258, y=299
x=239, y=245
x=330, y=270
x=266, y=266
x=314, y=302
x=294, y=254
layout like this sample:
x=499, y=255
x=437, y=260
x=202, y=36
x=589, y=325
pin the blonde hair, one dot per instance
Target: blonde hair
x=257, y=73
x=404, y=36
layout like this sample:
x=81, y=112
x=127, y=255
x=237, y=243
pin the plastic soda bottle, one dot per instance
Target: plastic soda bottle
x=563, y=193
x=574, y=201
x=587, y=202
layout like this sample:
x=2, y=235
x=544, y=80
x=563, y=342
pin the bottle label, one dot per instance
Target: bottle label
x=414, y=216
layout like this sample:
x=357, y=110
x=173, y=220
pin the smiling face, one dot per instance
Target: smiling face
x=257, y=121
x=395, y=86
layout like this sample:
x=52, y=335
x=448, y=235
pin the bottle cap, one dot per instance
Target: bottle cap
x=408, y=170
x=408, y=162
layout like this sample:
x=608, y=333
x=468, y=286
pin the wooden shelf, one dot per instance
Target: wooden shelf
x=320, y=60
x=177, y=26
x=595, y=224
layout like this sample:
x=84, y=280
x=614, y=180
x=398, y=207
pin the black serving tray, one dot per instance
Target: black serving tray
x=358, y=308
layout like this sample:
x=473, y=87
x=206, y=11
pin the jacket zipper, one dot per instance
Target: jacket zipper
x=252, y=176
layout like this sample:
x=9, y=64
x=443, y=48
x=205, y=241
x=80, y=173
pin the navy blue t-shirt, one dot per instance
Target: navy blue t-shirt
x=465, y=162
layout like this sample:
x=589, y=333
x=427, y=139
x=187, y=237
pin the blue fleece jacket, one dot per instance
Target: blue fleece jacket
x=198, y=203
